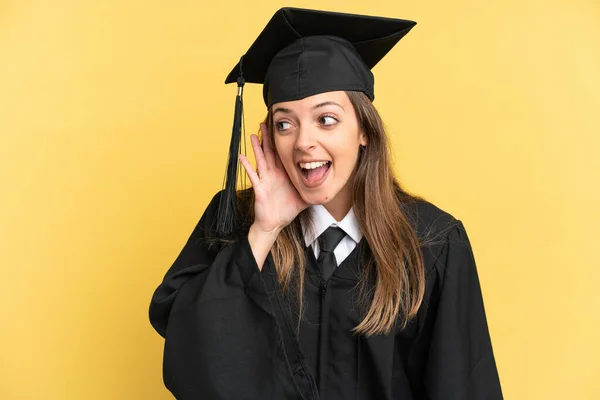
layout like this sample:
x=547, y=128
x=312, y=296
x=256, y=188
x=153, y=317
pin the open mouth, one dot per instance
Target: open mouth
x=316, y=171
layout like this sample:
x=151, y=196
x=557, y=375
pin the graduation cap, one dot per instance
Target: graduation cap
x=301, y=53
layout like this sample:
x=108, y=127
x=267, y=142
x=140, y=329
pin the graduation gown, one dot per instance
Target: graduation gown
x=230, y=333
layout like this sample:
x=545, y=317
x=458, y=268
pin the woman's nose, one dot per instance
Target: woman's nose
x=306, y=139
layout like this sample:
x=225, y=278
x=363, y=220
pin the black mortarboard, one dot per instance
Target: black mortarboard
x=301, y=53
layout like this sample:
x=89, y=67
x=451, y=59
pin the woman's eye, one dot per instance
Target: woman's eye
x=327, y=120
x=282, y=125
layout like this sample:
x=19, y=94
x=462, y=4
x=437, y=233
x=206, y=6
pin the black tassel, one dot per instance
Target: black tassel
x=226, y=216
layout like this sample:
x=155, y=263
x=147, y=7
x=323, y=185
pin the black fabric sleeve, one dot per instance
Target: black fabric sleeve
x=460, y=364
x=222, y=336
x=195, y=257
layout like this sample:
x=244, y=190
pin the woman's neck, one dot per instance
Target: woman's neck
x=339, y=206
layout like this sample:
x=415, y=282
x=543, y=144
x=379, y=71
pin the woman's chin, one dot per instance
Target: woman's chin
x=319, y=195
x=316, y=198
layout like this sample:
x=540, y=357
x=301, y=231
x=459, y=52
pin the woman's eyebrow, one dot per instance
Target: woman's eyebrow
x=281, y=109
x=328, y=103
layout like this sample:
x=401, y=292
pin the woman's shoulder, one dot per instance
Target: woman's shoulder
x=442, y=237
x=432, y=224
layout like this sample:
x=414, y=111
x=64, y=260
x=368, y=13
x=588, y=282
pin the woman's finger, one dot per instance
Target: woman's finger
x=254, y=179
x=261, y=162
x=278, y=162
x=267, y=147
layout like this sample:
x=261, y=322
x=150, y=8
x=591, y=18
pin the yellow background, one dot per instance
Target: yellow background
x=114, y=129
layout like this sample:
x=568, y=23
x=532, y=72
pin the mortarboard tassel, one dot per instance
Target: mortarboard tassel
x=226, y=217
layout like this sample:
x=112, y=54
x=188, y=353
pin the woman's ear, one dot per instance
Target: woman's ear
x=363, y=139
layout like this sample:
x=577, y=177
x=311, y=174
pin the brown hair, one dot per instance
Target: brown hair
x=392, y=283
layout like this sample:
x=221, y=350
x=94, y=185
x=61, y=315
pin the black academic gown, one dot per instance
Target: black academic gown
x=231, y=334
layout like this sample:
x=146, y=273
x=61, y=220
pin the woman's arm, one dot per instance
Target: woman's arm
x=261, y=243
x=197, y=257
x=223, y=339
x=460, y=364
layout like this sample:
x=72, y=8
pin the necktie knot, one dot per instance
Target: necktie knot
x=331, y=238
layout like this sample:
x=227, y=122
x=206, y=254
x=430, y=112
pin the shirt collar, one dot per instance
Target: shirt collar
x=323, y=220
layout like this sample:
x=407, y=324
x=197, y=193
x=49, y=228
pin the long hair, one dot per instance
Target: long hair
x=392, y=282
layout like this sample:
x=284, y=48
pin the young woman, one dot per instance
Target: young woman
x=335, y=283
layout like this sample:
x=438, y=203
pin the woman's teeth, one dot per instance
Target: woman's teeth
x=313, y=165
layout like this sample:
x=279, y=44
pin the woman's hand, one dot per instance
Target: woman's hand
x=277, y=202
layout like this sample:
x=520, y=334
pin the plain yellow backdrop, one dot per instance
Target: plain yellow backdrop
x=114, y=129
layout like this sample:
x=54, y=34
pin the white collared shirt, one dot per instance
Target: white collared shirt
x=323, y=220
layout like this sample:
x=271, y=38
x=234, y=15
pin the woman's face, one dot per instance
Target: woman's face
x=317, y=130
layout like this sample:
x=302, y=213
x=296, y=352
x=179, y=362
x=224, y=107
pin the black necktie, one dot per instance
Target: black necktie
x=328, y=241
